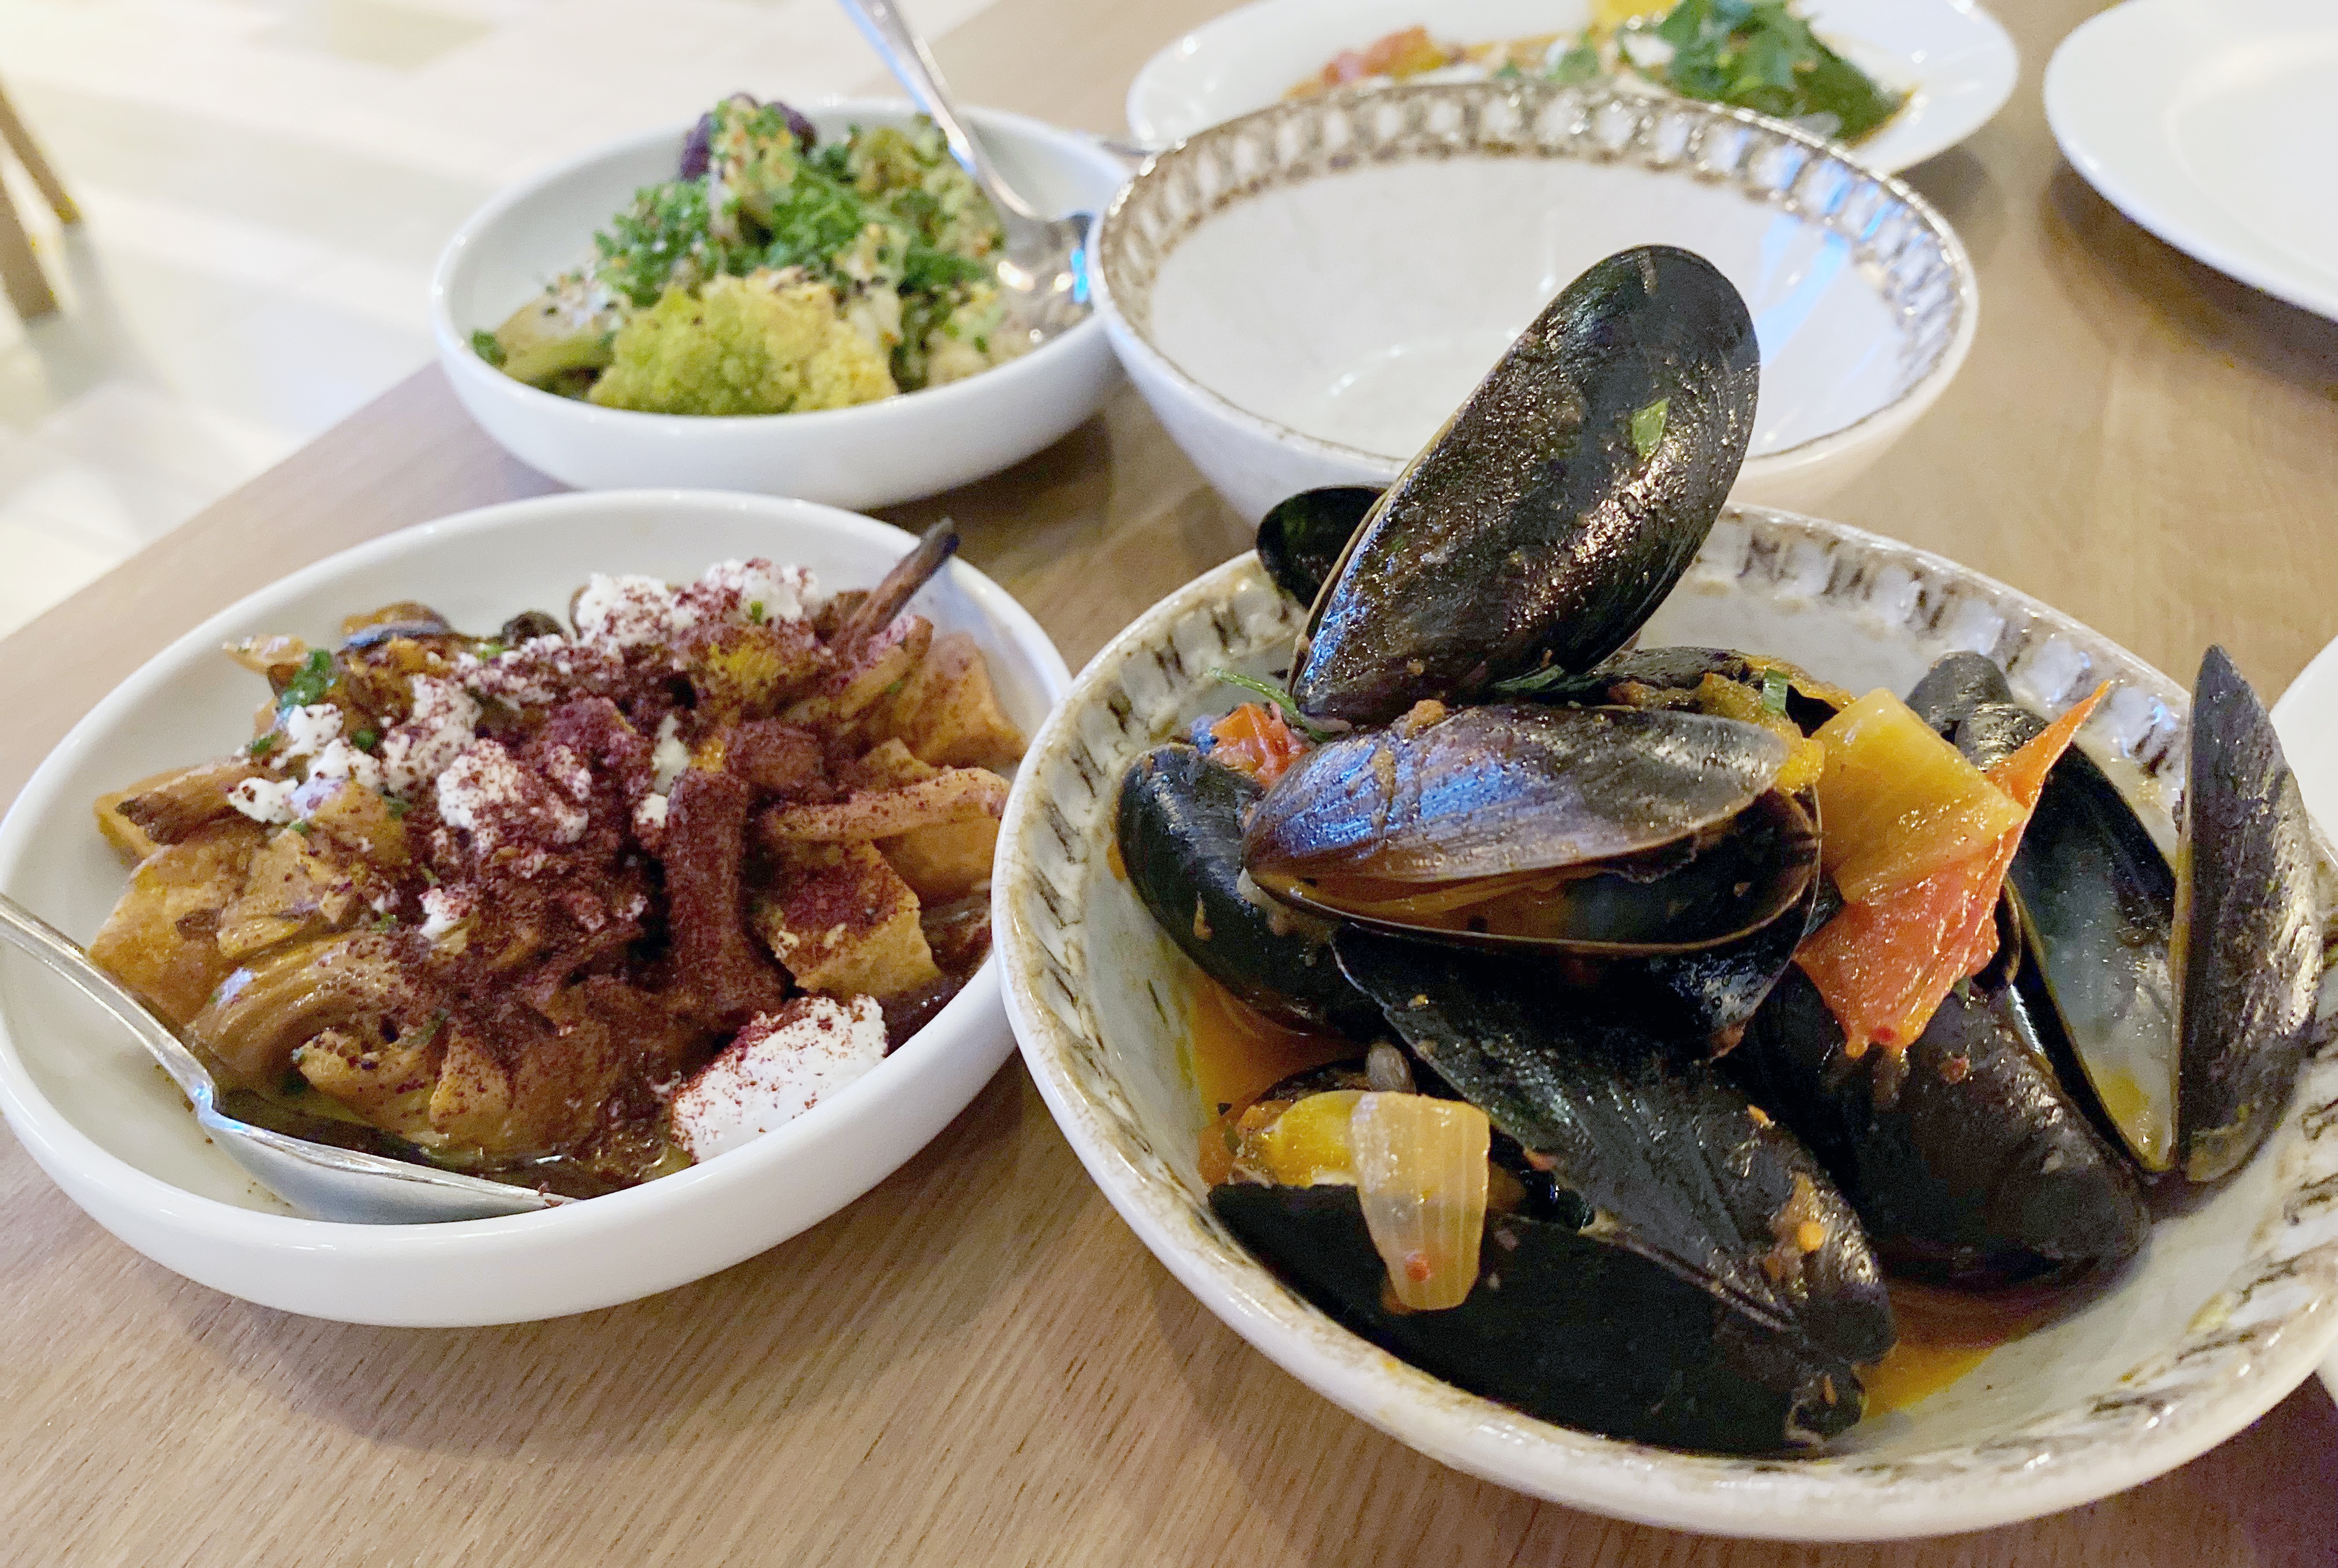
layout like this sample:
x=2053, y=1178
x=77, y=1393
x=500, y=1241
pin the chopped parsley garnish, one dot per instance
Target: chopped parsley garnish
x=1276, y=695
x=488, y=346
x=1759, y=55
x=398, y=808
x=1579, y=65
x=756, y=612
x=490, y=649
x=366, y=739
x=262, y=746
x=309, y=683
x=1648, y=427
x=304, y=827
x=1775, y=685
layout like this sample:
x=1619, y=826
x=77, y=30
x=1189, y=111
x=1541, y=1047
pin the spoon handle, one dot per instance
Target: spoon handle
x=21, y=929
x=912, y=64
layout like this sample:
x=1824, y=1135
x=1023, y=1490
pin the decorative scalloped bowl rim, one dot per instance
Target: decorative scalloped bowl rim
x=1820, y=182
x=2257, y=1340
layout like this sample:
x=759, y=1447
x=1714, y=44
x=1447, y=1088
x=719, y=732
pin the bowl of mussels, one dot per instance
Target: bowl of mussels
x=1694, y=1012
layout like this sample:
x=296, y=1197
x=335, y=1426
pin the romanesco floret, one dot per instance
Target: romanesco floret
x=769, y=343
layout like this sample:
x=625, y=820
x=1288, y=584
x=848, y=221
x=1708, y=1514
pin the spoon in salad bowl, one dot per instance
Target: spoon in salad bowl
x=1043, y=272
x=323, y=1180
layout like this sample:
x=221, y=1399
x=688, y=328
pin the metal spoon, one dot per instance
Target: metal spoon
x=318, y=1179
x=1043, y=276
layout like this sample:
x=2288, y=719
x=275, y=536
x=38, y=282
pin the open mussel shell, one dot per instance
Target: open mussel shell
x=1965, y=1160
x=1717, y=990
x=2095, y=902
x=1558, y=507
x=1719, y=1295
x=1180, y=830
x=2248, y=931
x=1596, y=829
x=1302, y=538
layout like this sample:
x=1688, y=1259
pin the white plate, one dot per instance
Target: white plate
x=1952, y=55
x=2212, y=125
x=2307, y=718
x=112, y=1131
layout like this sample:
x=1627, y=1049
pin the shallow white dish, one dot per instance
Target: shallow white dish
x=2307, y=718
x=2228, y=1309
x=874, y=454
x=111, y=1131
x=1952, y=58
x=2211, y=125
x=1305, y=294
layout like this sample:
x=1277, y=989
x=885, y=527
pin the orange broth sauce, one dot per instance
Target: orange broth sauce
x=1945, y=1333
x=1234, y=1054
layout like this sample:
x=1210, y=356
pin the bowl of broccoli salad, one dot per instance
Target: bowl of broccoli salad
x=636, y=317
x=774, y=274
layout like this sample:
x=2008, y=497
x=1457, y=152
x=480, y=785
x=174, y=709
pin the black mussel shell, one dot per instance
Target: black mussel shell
x=1561, y=1326
x=1717, y=990
x=1954, y=687
x=1669, y=677
x=2095, y=902
x=1180, y=833
x=1716, y=1255
x=1558, y=507
x=1967, y=1162
x=1489, y=791
x=2249, y=928
x=1303, y=537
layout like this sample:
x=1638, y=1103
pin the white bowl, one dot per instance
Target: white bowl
x=111, y=1131
x=872, y=454
x=2228, y=1309
x=1303, y=295
x=1951, y=56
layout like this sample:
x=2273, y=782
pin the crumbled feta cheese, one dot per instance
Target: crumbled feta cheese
x=337, y=764
x=443, y=909
x=264, y=800
x=485, y=790
x=307, y=731
x=630, y=612
x=670, y=759
x=649, y=816
x=569, y=775
x=780, y=1066
x=752, y=591
x=439, y=724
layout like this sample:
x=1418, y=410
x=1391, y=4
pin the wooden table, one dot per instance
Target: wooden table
x=976, y=1364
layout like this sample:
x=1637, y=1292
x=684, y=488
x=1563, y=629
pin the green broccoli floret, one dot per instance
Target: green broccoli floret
x=764, y=344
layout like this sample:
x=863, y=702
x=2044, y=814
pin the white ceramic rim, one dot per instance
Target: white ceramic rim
x=1801, y=458
x=1742, y=1496
x=52, y=1140
x=1212, y=35
x=2109, y=88
x=455, y=342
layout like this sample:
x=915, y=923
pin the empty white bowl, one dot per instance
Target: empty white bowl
x=872, y=454
x=2229, y=1307
x=112, y=1132
x=1303, y=295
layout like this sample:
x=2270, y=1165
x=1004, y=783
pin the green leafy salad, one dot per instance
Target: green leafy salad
x=775, y=274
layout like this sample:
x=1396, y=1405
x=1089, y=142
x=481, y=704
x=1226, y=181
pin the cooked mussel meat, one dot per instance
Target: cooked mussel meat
x=2248, y=931
x=1302, y=538
x=1180, y=832
x=1557, y=508
x=1598, y=829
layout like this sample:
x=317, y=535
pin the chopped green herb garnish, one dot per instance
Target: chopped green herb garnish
x=1775, y=685
x=982, y=345
x=304, y=827
x=1648, y=427
x=366, y=739
x=262, y=746
x=1279, y=697
x=756, y=612
x=309, y=683
x=488, y=346
x=490, y=649
x=1579, y=65
x=387, y=922
x=1534, y=683
x=1760, y=55
x=398, y=807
